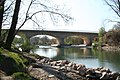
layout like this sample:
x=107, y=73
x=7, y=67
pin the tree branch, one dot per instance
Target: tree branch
x=113, y=8
x=29, y=17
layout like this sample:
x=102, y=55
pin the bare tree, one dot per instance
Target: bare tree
x=1, y=14
x=114, y=5
x=31, y=10
x=12, y=30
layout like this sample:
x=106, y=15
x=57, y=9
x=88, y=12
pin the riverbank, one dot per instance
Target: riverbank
x=43, y=68
x=111, y=48
x=65, y=70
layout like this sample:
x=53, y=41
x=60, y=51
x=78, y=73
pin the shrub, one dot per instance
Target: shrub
x=112, y=38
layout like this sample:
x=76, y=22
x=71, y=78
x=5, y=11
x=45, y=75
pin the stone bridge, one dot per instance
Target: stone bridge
x=61, y=35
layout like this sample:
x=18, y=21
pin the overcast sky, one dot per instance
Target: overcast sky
x=89, y=15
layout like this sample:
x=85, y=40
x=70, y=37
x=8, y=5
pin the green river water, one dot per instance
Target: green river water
x=89, y=57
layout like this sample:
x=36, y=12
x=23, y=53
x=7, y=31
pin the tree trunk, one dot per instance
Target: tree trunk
x=1, y=15
x=119, y=5
x=12, y=29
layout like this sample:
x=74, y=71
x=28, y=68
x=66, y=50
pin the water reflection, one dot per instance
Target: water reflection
x=46, y=51
x=87, y=56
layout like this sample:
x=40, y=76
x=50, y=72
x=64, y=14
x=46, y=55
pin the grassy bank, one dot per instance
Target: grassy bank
x=13, y=64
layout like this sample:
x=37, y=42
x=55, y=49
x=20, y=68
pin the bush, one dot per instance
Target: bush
x=112, y=38
x=23, y=43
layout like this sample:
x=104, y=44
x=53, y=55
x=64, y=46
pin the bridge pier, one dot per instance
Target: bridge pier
x=61, y=42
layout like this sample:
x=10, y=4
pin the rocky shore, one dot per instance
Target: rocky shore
x=48, y=69
x=42, y=68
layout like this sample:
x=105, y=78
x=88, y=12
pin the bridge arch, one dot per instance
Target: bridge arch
x=61, y=35
x=84, y=39
x=44, y=39
x=33, y=34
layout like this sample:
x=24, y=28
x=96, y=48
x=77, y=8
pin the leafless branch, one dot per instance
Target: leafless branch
x=113, y=8
x=46, y=9
x=26, y=18
x=9, y=6
x=35, y=22
x=109, y=20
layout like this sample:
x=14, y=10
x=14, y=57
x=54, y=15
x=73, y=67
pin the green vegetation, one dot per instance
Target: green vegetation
x=100, y=36
x=21, y=76
x=11, y=62
x=23, y=42
x=99, y=41
x=110, y=38
x=45, y=40
x=73, y=40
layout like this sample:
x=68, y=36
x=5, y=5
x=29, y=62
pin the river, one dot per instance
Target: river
x=87, y=56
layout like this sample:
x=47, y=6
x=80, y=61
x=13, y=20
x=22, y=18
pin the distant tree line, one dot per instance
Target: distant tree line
x=74, y=40
x=111, y=38
x=43, y=40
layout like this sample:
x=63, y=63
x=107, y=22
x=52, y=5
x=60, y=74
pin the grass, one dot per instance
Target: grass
x=11, y=62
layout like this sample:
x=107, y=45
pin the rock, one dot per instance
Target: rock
x=56, y=67
x=43, y=60
x=118, y=78
x=29, y=68
x=91, y=76
x=54, y=63
x=105, y=70
x=74, y=67
x=90, y=71
x=59, y=61
x=98, y=74
x=65, y=62
x=63, y=67
x=70, y=64
x=115, y=76
x=6, y=78
x=82, y=72
x=51, y=76
x=2, y=74
x=104, y=76
x=69, y=68
x=59, y=64
x=99, y=68
x=108, y=71
x=81, y=67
